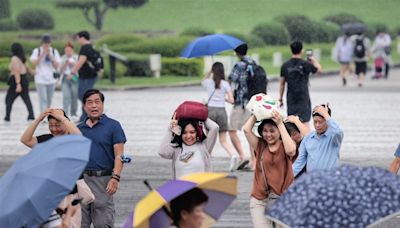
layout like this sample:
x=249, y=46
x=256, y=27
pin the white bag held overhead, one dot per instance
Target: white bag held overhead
x=261, y=106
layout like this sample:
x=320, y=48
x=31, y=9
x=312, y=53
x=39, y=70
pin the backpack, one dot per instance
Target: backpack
x=95, y=61
x=294, y=77
x=256, y=79
x=359, y=48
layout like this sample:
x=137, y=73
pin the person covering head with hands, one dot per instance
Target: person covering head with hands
x=187, y=146
x=320, y=148
x=273, y=173
x=103, y=171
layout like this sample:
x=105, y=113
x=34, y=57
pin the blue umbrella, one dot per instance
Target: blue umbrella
x=37, y=182
x=210, y=45
x=347, y=196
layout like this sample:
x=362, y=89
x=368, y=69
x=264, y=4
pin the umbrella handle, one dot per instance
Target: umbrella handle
x=165, y=209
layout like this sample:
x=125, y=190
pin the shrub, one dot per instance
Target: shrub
x=273, y=34
x=8, y=25
x=168, y=47
x=324, y=32
x=181, y=67
x=373, y=28
x=4, y=71
x=196, y=31
x=138, y=65
x=112, y=40
x=252, y=40
x=342, y=18
x=35, y=19
x=299, y=27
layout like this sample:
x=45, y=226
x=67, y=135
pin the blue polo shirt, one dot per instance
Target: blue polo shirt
x=104, y=135
x=397, y=153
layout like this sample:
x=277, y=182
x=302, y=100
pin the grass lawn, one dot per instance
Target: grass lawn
x=219, y=15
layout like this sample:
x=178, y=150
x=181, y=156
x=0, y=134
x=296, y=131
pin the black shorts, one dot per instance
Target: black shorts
x=361, y=67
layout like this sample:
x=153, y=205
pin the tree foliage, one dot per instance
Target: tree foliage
x=5, y=9
x=94, y=11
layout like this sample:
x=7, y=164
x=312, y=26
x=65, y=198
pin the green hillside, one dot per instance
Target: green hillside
x=219, y=15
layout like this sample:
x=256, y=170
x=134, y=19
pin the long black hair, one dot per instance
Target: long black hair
x=18, y=50
x=218, y=74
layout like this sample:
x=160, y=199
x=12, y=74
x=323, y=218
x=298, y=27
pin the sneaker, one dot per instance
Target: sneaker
x=243, y=164
x=344, y=81
x=233, y=163
x=75, y=119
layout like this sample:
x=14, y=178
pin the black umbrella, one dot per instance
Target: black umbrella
x=354, y=28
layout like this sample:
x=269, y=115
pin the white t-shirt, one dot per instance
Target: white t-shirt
x=44, y=69
x=189, y=161
x=218, y=98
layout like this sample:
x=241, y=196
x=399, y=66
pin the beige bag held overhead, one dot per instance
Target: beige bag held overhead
x=84, y=192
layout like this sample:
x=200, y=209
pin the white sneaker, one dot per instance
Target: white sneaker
x=234, y=163
x=74, y=119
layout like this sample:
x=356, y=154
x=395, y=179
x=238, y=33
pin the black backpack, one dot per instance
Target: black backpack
x=295, y=77
x=359, y=48
x=95, y=61
x=256, y=79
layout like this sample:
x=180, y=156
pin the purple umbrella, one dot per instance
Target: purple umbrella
x=220, y=188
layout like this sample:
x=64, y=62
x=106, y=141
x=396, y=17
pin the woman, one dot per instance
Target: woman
x=273, y=173
x=187, y=146
x=69, y=82
x=188, y=209
x=18, y=82
x=344, y=53
x=219, y=91
x=59, y=124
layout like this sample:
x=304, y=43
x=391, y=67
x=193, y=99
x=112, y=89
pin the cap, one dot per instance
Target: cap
x=46, y=39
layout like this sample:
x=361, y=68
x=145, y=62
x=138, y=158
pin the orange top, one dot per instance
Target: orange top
x=278, y=170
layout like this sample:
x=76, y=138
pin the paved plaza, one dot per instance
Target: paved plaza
x=369, y=116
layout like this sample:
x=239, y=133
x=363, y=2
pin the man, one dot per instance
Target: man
x=239, y=113
x=46, y=60
x=87, y=75
x=103, y=171
x=320, y=148
x=361, y=52
x=295, y=72
x=395, y=166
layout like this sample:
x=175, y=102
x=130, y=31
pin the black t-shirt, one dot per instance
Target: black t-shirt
x=44, y=138
x=297, y=87
x=86, y=71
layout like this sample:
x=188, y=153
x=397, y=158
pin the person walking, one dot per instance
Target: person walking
x=362, y=46
x=103, y=171
x=219, y=92
x=395, y=165
x=344, y=53
x=239, y=114
x=18, y=84
x=295, y=73
x=273, y=172
x=320, y=148
x=87, y=75
x=46, y=60
x=188, y=146
x=69, y=82
x=381, y=47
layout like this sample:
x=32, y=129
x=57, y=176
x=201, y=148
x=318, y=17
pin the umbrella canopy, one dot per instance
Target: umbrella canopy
x=354, y=28
x=210, y=45
x=220, y=188
x=347, y=196
x=37, y=182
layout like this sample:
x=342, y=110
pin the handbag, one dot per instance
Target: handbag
x=84, y=192
x=192, y=110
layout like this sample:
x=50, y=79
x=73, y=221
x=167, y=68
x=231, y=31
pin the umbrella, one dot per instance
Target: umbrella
x=37, y=182
x=354, y=28
x=220, y=188
x=347, y=196
x=210, y=45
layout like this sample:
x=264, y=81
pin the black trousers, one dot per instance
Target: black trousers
x=12, y=95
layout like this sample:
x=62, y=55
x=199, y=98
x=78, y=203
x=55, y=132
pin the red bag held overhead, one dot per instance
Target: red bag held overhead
x=192, y=110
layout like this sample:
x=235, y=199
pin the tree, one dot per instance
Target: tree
x=94, y=11
x=4, y=9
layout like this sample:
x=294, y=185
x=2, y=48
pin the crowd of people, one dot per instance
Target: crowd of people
x=281, y=148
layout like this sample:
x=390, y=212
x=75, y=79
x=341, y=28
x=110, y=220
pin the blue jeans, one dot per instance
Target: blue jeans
x=83, y=85
x=70, y=96
x=45, y=93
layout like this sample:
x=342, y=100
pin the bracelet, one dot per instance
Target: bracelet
x=114, y=174
x=115, y=178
